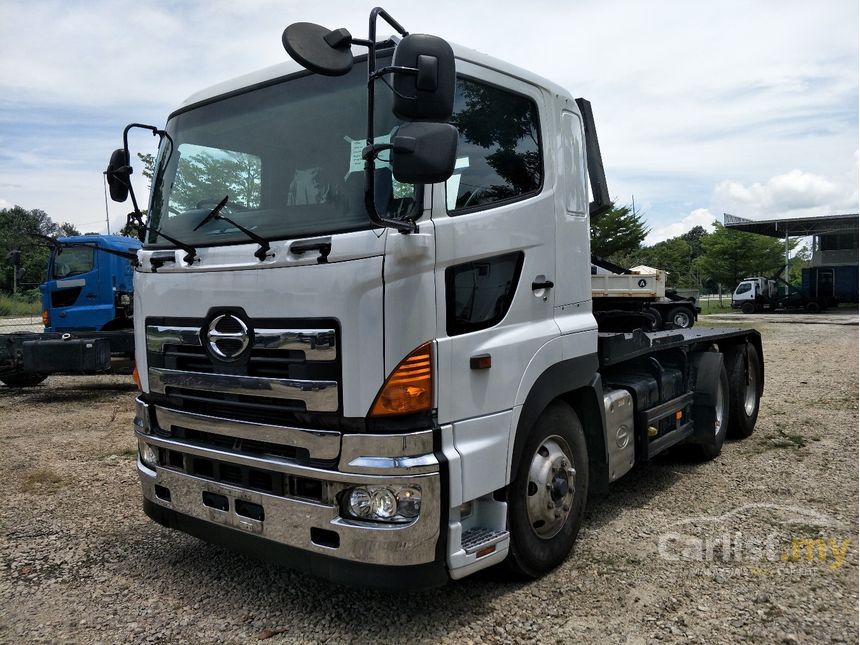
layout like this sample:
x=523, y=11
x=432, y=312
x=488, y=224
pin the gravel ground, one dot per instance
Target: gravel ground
x=676, y=552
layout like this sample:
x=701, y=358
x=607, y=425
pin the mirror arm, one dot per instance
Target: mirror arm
x=404, y=226
x=156, y=132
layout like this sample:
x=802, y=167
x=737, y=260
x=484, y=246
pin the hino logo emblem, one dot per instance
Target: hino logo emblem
x=228, y=337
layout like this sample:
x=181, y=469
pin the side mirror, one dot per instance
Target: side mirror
x=319, y=49
x=427, y=95
x=118, y=175
x=423, y=153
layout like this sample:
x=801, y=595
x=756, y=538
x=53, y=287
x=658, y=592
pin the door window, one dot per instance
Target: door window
x=498, y=152
x=73, y=260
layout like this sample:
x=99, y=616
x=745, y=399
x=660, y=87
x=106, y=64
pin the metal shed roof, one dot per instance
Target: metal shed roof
x=795, y=226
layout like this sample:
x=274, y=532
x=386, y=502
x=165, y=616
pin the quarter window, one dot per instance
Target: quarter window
x=498, y=152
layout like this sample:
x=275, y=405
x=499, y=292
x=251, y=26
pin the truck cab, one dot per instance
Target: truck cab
x=87, y=289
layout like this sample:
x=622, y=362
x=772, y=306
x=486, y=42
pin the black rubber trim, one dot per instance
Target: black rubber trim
x=559, y=379
x=343, y=572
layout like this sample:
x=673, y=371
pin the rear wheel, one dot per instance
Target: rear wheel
x=745, y=388
x=23, y=380
x=680, y=317
x=546, y=501
x=655, y=318
x=712, y=420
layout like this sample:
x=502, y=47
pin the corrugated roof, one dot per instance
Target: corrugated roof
x=795, y=226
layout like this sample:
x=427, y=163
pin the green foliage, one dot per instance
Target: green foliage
x=674, y=256
x=25, y=304
x=731, y=255
x=617, y=232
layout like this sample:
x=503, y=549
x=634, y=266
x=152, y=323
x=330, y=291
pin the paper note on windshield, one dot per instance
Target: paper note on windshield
x=356, y=147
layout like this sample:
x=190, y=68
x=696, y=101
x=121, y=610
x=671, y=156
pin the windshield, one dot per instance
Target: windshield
x=72, y=260
x=287, y=155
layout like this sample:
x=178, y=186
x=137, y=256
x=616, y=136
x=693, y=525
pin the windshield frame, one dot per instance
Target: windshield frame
x=167, y=152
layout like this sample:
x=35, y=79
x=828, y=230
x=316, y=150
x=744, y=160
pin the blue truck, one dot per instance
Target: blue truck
x=87, y=306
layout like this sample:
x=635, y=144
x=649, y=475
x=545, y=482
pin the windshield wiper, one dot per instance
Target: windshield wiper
x=190, y=251
x=261, y=253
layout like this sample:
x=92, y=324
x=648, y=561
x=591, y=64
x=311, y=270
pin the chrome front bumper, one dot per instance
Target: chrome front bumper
x=315, y=526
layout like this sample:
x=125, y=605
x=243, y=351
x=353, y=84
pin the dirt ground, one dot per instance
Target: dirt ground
x=759, y=545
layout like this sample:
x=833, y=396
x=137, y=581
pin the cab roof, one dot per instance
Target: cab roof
x=288, y=67
x=116, y=242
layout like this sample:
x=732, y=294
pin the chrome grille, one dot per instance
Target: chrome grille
x=290, y=367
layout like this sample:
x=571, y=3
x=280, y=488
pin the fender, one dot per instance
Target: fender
x=577, y=381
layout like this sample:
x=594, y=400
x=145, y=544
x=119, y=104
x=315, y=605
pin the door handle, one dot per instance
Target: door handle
x=546, y=284
x=91, y=296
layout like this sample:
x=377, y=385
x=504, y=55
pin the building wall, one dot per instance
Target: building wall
x=844, y=282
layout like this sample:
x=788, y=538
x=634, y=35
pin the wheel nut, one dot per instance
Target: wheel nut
x=566, y=507
x=550, y=505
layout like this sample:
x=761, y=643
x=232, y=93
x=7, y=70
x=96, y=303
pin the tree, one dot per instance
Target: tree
x=68, y=229
x=16, y=224
x=616, y=232
x=675, y=256
x=731, y=255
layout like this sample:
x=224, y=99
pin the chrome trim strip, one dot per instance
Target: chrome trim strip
x=381, y=465
x=388, y=453
x=273, y=463
x=317, y=344
x=322, y=444
x=157, y=336
x=318, y=396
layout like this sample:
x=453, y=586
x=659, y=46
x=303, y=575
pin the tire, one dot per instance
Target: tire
x=23, y=380
x=813, y=307
x=745, y=389
x=748, y=308
x=680, y=318
x=541, y=538
x=716, y=416
x=655, y=318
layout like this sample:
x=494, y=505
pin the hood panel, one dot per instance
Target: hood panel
x=349, y=291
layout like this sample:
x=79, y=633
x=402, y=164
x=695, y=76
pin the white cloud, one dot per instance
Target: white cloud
x=791, y=193
x=699, y=217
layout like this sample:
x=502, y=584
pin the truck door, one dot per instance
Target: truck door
x=495, y=251
x=73, y=290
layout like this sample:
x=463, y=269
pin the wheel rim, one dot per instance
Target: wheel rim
x=751, y=392
x=550, y=488
x=719, y=409
x=682, y=320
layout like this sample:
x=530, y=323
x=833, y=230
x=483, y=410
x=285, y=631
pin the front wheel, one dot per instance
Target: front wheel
x=546, y=500
x=748, y=308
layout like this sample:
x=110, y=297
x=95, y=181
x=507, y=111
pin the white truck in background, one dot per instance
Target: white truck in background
x=366, y=344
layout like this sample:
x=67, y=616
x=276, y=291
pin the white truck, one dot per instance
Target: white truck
x=363, y=319
x=624, y=297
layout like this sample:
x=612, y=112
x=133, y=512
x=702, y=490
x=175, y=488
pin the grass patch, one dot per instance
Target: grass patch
x=20, y=305
x=41, y=480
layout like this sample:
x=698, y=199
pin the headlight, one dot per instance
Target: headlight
x=383, y=503
x=148, y=454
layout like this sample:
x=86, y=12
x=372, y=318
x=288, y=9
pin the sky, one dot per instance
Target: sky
x=702, y=107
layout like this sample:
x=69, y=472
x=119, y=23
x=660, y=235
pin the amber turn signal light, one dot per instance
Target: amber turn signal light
x=136, y=377
x=46, y=319
x=409, y=388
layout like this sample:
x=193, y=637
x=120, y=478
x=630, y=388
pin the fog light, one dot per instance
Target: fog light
x=409, y=502
x=383, y=503
x=393, y=503
x=148, y=454
x=359, y=502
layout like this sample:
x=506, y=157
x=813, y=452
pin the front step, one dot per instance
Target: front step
x=478, y=538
